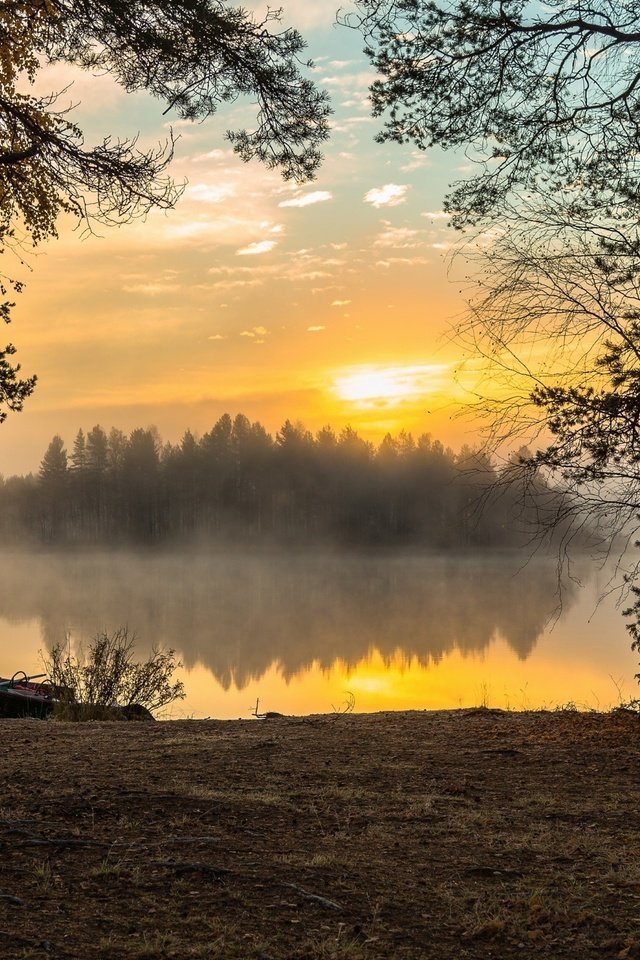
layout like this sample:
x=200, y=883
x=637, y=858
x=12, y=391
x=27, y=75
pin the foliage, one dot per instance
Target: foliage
x=633, y=629
x=545, y=94
x=106, y=676
x=544, y=99
x=192, y=55
x=13, y=390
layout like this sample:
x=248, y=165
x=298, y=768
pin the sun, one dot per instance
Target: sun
x=387, y=386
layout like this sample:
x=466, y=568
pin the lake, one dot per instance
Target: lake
x=302, y=631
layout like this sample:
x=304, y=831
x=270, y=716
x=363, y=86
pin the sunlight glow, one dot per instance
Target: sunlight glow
x=498, y=679
x=388, y=386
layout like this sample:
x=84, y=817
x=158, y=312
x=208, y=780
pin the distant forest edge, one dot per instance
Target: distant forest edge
x=239, y=482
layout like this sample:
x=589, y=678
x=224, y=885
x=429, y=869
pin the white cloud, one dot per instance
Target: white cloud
x=340, y=303
x=255, y=332
x=228, y=285
x=216, y=336
x=315, y=329
x=397, y=237
x=152, y=289
x=390, y=195
x=215, y=154
x=260, y=246
x=351, y=81
x=307, y=199
x=347, y=125
x=209, y=193
x=436, y=215
x=417, y=161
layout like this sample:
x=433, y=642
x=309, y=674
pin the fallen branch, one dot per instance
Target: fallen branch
x=316, y=898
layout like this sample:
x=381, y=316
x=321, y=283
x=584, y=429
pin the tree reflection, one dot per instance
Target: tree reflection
x=239, y=614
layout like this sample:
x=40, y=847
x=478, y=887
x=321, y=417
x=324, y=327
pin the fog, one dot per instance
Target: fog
x=237, y=613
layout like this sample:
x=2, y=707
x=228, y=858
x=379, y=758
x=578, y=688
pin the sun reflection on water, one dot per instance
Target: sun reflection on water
x=552, y=679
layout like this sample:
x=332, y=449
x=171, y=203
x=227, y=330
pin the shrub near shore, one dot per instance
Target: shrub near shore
x=104, y=682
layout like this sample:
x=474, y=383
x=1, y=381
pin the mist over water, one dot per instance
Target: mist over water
x=239, y=613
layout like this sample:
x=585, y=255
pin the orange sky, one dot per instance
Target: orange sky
x=252, y=295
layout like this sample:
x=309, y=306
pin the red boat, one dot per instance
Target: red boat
x=23, y=696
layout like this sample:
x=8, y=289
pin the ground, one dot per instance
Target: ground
x=462, y=834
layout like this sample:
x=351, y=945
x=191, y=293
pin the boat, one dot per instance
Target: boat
x=23, y=696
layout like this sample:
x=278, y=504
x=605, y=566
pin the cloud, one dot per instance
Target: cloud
x=315, y=329
x=227, y=285
x=260, y=246
x=351, y=81
x=404, y=261
x=399, y=237
x=209, y=193
x=216, y=336
x=152, y=289
x=418, y=159
x=390, y=195
x=255, y=332
x=340, y=303
x=307, y=199
x=215, y=154
x=436, y=215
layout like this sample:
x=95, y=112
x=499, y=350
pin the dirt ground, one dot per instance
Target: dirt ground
x=462, y=834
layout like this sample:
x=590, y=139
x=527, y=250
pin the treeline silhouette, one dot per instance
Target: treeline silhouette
x=238, y=481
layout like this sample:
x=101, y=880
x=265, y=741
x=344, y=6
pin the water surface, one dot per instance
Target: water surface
x=299, y=631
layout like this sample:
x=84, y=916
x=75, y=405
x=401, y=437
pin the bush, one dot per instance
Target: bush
x=104, y=682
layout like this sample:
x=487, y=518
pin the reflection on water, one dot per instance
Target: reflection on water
x=238, y=615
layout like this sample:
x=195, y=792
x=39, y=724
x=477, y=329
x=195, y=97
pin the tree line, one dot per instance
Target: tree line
x=238, y=481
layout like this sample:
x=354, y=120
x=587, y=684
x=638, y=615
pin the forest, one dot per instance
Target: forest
x=239, y=483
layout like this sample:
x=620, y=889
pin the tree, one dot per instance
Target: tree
x=192, y=55
x=140, y=470
x=97, y=451
x=53, y=469
x=544, y=94
x=544, y=98
x=79, y=455
x=53, y=476
x=13, y=389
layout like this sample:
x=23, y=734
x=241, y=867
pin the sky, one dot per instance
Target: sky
x=326, y=303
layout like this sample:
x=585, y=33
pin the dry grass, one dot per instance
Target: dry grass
x=466, y=835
